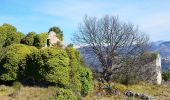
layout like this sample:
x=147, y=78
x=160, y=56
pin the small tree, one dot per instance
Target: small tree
x=40, y=40
x=9, y=35
x=29, y=39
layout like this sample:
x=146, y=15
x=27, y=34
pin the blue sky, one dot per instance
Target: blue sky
x=152, y=16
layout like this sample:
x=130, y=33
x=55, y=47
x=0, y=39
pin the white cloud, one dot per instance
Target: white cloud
x=160, y=20
x=152, y=17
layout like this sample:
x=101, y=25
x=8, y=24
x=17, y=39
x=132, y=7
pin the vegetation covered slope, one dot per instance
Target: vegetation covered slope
x=26, y=60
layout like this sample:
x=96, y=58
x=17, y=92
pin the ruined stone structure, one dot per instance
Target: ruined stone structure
x=52, y=39
x=158, y=69
x=150, y=70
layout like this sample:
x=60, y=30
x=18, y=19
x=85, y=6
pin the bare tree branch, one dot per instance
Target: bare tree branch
x=112, y=41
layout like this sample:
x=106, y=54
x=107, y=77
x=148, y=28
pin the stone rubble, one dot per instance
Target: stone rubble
x=138, y=95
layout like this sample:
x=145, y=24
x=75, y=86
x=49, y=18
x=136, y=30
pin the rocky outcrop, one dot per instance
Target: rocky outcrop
x=138, y=95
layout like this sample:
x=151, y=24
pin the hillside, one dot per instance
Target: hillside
x=163, y=47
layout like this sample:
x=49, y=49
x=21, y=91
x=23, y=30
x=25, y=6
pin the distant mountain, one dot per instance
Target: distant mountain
x=163, y=47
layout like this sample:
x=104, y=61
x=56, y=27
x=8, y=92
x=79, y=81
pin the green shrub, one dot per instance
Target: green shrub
x=40, y=40
x=86, y=80
x=130, y=79
x=17, y=85
x=13, y=65
x=64, y=94
x=126, y=78
x=33, y=39
x=80, y=75
x=51, y=65
x=75, y=82
x=9, y=35
x=166, y=75
x=29, y=39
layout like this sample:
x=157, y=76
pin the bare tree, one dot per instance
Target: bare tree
x=113, y=42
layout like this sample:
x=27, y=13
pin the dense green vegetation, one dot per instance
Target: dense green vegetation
x=33, y=39
x=24, y=59
x=49, y=63
x=13, y=64
x=9, y=35
x=166, y=75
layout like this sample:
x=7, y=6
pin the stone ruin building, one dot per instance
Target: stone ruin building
x=152, y=71
x=52, y=39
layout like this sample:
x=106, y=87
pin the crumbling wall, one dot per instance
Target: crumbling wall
x=152, y=71
x=52, y=39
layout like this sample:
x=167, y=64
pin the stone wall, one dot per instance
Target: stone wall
x=52, y=39
x=152, y=71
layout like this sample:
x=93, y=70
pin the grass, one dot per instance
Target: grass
x=161, y=92
x=26, y=93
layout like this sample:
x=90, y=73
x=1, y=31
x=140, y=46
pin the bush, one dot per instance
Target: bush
x=13, y=65
x=9, y=35
x=86, y=80
x=51, y=65
x=129, y=80
x=29, y=39
x=17, y=86
x=166, y=75
x=75, y=82
x=80, y=75
x=64, y=94
x=33, y=39
x=40, y=40
x=126, y=78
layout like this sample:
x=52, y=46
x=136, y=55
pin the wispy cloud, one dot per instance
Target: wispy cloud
x=160, y=20
x=152, y=16
x=72, y=9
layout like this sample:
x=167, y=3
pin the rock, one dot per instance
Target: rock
x=115, y=92
x=129, y=93
x=138, y=95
